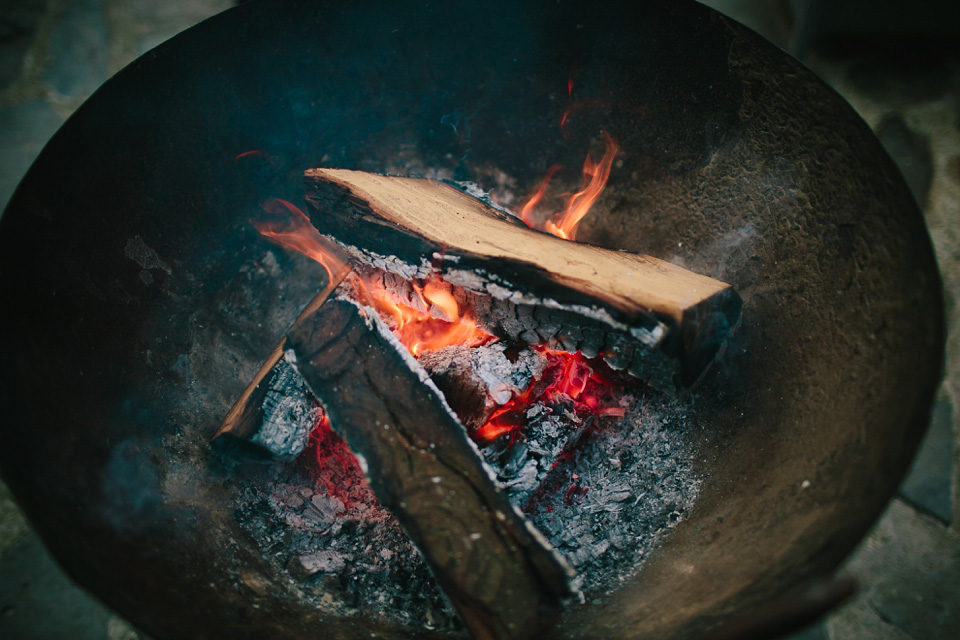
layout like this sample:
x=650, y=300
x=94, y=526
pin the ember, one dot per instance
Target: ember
x=570, y=378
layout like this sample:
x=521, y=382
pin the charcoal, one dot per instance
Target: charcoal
x=570, y=336
x=629, y=482
x=289, y=414
x=475, y=380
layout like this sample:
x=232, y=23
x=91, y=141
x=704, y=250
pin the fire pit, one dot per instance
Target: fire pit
x=141, y=302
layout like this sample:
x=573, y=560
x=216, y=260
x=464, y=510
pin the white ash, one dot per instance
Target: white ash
x=624, y=486
x=474, y=190
x=341, y=549
x=501, y=377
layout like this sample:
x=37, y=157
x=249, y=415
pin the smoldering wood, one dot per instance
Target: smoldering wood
x=501, y=575
x=663, y=323
x=649, y=358
x=289, y=414
x=476, y=380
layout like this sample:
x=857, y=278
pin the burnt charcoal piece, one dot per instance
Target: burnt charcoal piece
x=477, y=380
x=289, y=414
x=661, y=322
x=501, y=575
x=251, y=418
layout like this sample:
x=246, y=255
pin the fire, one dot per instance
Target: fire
x=421, y=331
x=293, y=230
x=526, y=213
x=595, y=175
x=418, y=330
x=569, y=379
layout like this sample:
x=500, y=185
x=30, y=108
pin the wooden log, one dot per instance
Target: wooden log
x=663, y=323
x=501, y=575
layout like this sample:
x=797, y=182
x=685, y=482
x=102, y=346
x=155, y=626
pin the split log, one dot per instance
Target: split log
x=500, y=574
x=663, y=323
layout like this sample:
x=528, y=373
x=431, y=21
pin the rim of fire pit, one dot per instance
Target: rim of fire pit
x=138, y=302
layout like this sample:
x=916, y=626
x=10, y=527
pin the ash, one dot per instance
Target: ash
x=320, y=524
x=603, y=491
x=603, y=488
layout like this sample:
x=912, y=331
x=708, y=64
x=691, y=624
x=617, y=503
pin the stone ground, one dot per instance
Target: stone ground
x=54, y=53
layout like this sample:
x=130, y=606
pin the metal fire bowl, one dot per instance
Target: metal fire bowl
x=138, y=302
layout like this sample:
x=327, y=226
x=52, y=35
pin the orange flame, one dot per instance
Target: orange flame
x=420, y=330
x=526, y=213
x=295, y=231
x=595, y=176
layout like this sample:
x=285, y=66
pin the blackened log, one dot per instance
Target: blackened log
x=260, y=415
x=500, y=574
x=661, y=322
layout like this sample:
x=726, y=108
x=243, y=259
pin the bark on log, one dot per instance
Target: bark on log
x=663, y=323
x=501, y=575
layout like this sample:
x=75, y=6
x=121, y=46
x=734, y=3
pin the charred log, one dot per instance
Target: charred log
x=501, y=575
x=272, y=412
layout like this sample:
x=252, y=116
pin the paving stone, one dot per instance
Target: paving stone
x=24, y=128
x=908, y=569
x=18, y=22
x=38, y=601
x=928, y=484
x=79, y=50
x=900, y=79
x=911, y=152
x=926, y=607
x=13, y=524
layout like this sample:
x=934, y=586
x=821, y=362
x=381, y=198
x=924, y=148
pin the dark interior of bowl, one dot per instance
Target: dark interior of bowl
x=137, y=306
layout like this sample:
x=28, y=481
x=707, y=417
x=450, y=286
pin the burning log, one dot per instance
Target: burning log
x=431, y=275
x=501, y=575
x=661, y=322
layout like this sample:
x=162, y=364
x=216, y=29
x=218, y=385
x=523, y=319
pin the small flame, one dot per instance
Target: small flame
x=293, y=230
x=595, y=176
x=418, y=329
x=526, y=213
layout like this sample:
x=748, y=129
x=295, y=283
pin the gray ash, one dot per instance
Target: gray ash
x=603, y=474
x=319, y=523
x=599, y=463
x=613, y=497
